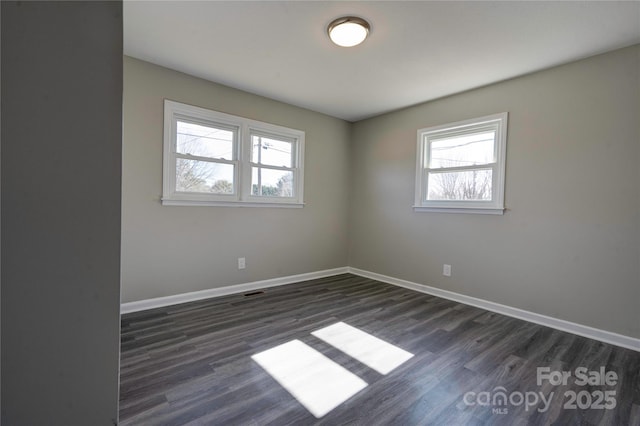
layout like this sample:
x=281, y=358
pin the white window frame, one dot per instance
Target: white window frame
x=497, y=122
x=243, y=129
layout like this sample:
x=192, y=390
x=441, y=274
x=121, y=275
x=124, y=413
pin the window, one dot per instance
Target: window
x=461, y=166
x=217, y=159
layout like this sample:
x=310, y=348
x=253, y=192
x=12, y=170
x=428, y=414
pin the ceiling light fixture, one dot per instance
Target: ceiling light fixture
x=348, y=31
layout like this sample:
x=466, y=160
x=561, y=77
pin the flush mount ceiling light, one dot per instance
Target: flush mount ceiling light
x=348, y=31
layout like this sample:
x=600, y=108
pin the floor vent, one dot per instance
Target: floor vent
x=253, y=293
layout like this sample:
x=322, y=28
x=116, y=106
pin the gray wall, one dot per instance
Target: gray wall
x=568, y=246
x=168, y=250
x=61, y=168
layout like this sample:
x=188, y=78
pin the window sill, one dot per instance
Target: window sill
x=208, y=203
x=469, y=210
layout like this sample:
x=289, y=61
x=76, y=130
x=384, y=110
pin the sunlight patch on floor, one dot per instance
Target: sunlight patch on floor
x=318, y=383
x=375, y=353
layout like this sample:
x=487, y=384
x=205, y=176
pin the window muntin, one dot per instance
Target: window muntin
x=212, y=158
x=461, y=166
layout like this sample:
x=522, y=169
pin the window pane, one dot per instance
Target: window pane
x=472, y=185
x=271, y=183
x=466, y=150
x=204, y=141
x=204, y=176
x=271, y=152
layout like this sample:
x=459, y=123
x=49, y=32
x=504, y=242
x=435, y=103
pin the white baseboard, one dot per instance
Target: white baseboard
x=559, y=324
x=158, y=302
x=568, y=326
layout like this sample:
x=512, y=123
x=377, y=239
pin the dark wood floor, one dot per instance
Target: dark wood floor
x=191, y=363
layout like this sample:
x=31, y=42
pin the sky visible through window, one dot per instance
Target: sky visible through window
x=467, y=150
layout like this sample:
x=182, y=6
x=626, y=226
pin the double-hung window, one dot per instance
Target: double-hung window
x=461, y=166
x=212, y=158
x=272, y=166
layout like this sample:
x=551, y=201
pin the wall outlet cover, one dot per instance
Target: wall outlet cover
x=446, y=270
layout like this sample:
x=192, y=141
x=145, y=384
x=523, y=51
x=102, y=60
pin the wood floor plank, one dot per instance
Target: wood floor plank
x=190, y=364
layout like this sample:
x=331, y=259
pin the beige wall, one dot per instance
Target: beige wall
x=171, y=250
x=568, y=246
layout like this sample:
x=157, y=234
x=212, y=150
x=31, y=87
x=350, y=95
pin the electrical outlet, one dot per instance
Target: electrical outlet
x=242, y=263
x=446, y=270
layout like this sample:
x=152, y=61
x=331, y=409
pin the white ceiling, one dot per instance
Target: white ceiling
x=417, y=51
